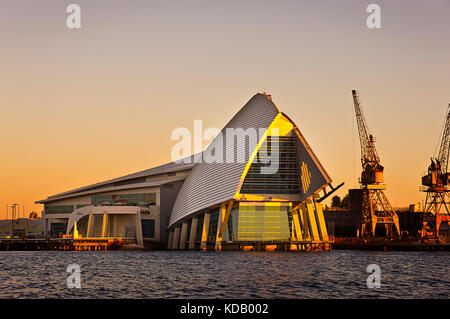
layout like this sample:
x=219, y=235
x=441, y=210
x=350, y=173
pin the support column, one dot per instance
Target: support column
x=75, y=230
x=170, y=242
x=91, y=224
x=218, y=244
x=176, y=238
x=222, y=222
x=104, y=224
x=115, y=226
x=205, y=231
x=193, y=233
x=183, y=237
x=321, y=222
x=44, y=221
x=303, y=215
x=296, y=222
x=139, y=239
x=312, y=221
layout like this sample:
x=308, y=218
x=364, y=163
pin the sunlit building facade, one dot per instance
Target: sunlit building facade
x=237, y=205
x=136, y=206
x=262, y=191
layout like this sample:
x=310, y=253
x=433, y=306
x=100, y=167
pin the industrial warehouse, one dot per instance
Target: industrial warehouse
x=211, y=206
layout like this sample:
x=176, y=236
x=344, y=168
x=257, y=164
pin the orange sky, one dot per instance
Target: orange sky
x=82, y=106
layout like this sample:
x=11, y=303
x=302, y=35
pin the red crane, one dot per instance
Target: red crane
x=435, y=184
x=376, y=208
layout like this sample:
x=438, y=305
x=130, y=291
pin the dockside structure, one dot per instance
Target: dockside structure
x=264, y=194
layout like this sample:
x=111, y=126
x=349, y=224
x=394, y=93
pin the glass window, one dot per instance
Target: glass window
x=140, y=199
x=286, y=180
x=212, y=233
x=57, y=229
x=199, y=228
x=148, y=228
x=59, y=209
x=263, y=222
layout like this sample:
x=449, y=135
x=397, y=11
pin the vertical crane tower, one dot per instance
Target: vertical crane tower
x=376, y=208
x=435, y=184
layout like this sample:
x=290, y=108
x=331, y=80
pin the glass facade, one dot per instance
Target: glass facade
x=57, y=229
x=59, y=209
x=287, y=178
x=143, y=199
x=267, y=221
x=199, y=228
x=212, y=233
x=253, y=221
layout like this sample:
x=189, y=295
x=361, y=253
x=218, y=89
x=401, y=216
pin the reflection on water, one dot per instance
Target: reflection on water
x=173, y=274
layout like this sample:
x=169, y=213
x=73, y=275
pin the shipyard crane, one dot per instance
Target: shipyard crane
x=435, y=184
x=376, y=208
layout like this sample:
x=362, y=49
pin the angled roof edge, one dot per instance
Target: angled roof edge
x=309, y=149
x=161, y=169
x=115, y=188
x=278, y=122
x=211, y=184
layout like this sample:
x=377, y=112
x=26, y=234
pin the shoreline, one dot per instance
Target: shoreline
x=341, y=244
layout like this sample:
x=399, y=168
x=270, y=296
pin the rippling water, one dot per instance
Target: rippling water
x=171, y=274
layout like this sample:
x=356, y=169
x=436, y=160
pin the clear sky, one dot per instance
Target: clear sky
x=79, y=106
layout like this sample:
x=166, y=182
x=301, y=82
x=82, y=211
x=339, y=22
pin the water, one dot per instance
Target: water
x=173, y=274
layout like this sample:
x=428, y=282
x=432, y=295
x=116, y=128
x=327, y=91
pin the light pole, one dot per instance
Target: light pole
x=13, y=213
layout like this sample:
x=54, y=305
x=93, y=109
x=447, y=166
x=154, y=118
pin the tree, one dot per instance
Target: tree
x=345, y=202
x=335, y=201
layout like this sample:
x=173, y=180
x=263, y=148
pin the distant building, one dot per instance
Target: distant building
x=189, y=205
x=345, y=222
x=414, y=208
x=152, y=191
x=21, y=227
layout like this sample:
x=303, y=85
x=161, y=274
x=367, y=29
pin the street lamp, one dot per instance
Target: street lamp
x=13, y=213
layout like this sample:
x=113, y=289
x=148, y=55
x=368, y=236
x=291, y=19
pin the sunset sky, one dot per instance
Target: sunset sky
x=79, y=106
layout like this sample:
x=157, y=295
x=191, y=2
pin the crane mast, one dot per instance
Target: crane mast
x=445, y=144
x=376, y=208
x=435, y=184
x=369, y=153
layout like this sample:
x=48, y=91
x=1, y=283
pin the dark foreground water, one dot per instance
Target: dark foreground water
x=170, y=274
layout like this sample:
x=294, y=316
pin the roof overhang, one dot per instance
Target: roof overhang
x=150, y=172
x=116, y=188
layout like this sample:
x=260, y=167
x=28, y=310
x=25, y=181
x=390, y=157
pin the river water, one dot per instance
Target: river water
x=192, y=274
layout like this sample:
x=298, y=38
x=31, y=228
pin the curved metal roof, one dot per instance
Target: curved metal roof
x=212, y=183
